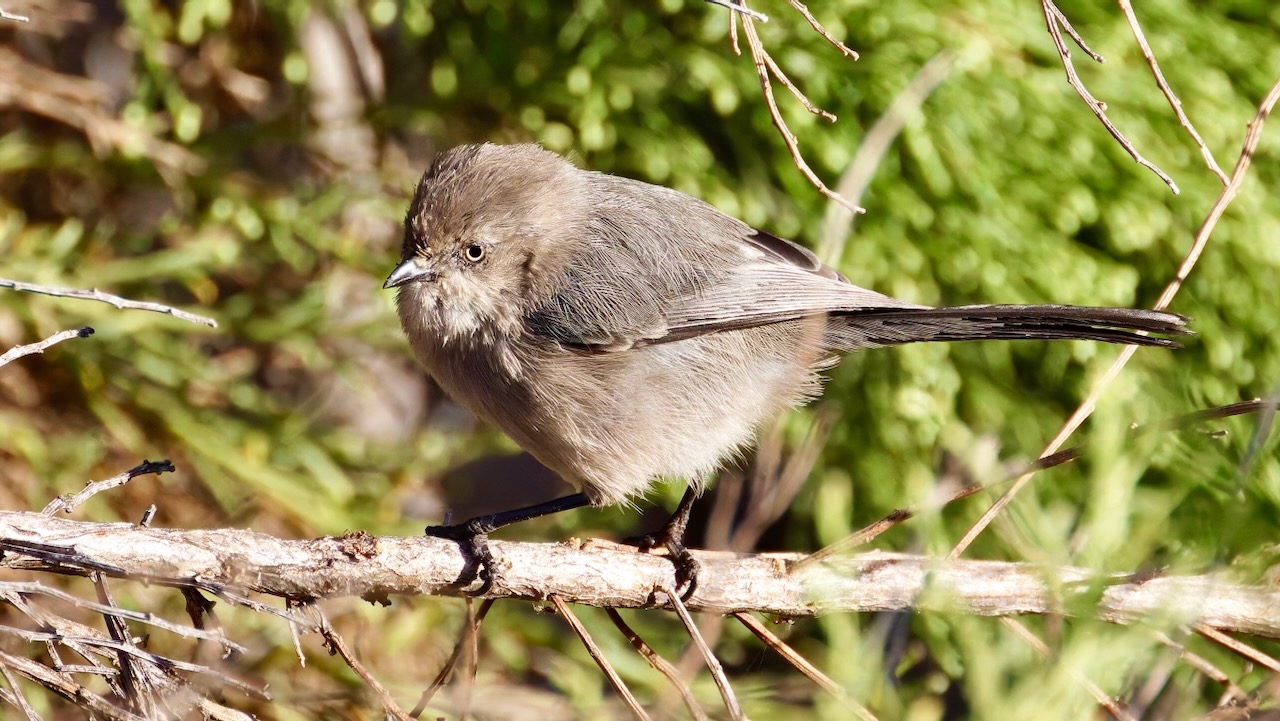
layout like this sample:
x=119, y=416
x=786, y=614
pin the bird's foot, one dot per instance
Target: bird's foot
x=671, y=538
x=473, y=537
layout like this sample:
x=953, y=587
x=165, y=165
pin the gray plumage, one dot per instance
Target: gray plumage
x=623, y=332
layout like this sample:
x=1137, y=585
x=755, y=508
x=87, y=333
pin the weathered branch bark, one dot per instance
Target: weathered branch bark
x=604, y=574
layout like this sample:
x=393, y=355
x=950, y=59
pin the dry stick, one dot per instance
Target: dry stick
x=795, y=91
x=1056, y=22
x=69, y=501
x=774, y=486
x=713, y=664
x=445, y=673
x=1110, y=704
x=802, y=665
x=1075, y=36
x=11, y=591
x=598, y=656
x=1243, y=649
x=44, y=618
x=65, y=687
x=471, y=661
x=736, y=8
x=660, y=664
x=761, y=59
x=138, y=692
x=837, y=222
x=817, y=26
x=131, y=650
x=19, y=351
x=1203, y=665
x=1086, y=408
x=16, y=698
x=115, y=300
x=339, y=646
x=733, y=34
x=1126, y=7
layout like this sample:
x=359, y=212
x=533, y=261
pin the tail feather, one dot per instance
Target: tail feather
x=895, y=326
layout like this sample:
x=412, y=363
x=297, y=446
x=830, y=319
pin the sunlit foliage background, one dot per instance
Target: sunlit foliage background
x=252, y=162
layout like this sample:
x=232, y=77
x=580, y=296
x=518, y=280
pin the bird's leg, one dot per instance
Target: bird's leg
x=473, y=535
x=671, y=537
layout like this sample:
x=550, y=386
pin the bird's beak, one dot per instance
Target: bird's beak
x=407, y=272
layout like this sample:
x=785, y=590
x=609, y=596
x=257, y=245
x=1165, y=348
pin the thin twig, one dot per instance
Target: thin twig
x=115, y=300
x=130, y=650
x=1243, y=649
x=471, y=659
x=138, y=691
x=802, y=665
x=1126, y=7
x=445, y=673
x=659, y=664
x=1056, y=22
x=760, y=57
x=813, y=23
x=1105, y=700
x=713, y=664
x=16, y=698
x=733, y=34
x=1087, y=406
x=65, y=687
x=738, y=8
x=9, y=591
x=1203, y=665
x=598, y=656
x=19, y=351
x=795, y=91
x=69, y=501
x=1066, y=25
x=339, y=646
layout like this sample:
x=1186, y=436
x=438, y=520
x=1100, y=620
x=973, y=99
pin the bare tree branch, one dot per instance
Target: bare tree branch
x=68, y=502
x=1127, y=8
x=1056, y=22
x=713, y=664
x=740, y=8
x=659, y=664
x=231, y=563
x=598, y=656
x=115, y=300
x=20, y=351
x=803, y=665
x=339, y=646
x=469, y=633
x=766, y=69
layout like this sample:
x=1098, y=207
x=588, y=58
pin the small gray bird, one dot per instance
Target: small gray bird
x=625, y=333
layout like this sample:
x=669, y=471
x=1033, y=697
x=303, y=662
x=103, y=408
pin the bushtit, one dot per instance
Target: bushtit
x=625, y=333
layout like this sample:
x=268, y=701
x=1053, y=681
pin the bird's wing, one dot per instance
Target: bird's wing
x=662, y=266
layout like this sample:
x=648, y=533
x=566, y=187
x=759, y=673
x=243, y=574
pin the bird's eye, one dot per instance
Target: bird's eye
x=474, y=253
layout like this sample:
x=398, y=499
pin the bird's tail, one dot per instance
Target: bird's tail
x=871, y=327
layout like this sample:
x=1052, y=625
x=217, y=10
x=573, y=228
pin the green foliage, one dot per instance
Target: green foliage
x=301, y=414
